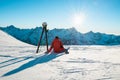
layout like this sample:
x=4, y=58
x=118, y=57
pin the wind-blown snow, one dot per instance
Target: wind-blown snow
x=18, y=61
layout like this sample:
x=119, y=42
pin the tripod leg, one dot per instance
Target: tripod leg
x=46, y=38
x=40, y=41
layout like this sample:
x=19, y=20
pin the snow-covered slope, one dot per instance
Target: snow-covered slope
x=7, y=40
x=19, y=62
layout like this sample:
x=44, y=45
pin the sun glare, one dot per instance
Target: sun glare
x=78, y=19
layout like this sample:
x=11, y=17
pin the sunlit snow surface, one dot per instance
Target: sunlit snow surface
x=18, y=61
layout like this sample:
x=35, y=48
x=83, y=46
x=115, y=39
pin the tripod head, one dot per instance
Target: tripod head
x=44, y=24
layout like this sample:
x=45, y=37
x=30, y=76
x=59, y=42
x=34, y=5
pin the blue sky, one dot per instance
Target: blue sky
x=85, y=15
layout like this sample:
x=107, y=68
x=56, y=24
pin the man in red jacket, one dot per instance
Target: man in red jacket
x=57, y=46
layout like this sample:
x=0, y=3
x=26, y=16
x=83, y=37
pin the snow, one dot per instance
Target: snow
x=6, y=39
x=18, y=61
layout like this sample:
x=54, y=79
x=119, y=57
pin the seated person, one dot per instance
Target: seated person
x=57, y=46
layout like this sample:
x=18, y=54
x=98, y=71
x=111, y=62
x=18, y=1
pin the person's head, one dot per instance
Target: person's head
x=56, y=37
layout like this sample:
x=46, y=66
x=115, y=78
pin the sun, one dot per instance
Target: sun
x=78, y=19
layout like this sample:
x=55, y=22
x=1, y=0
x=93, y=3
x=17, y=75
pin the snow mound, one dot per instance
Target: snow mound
x=7, y=40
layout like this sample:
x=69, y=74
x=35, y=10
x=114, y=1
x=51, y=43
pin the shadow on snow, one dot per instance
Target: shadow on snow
x=14, y=60
x=41, y=59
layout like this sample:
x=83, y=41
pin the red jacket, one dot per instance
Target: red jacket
x=57, y=46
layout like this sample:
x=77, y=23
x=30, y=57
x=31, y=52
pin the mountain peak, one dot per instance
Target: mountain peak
x=90, y=32
x=72, y=29
x=11, y=26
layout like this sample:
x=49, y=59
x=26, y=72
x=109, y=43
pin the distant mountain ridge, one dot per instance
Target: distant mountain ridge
x=68, y=36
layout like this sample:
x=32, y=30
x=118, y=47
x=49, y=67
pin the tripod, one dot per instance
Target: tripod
x=44, y=24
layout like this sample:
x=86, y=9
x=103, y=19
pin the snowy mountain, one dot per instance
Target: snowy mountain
x=18, y=61
x=68, y=36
